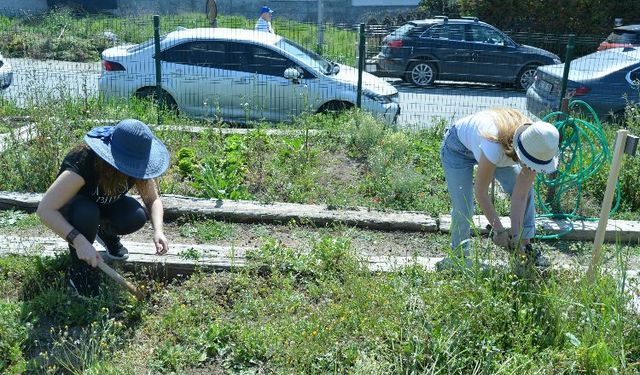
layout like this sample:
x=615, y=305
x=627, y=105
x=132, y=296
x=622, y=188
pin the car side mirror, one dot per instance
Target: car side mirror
x=292, y=74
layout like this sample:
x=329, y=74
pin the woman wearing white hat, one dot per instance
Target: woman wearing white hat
x=507, y=145
x=89, y=197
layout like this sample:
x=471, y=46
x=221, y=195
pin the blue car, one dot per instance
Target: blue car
x=606, y=80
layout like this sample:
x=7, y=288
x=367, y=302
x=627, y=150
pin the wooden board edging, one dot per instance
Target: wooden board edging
x=618, y=231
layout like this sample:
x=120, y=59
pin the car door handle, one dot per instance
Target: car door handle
x=241, y=81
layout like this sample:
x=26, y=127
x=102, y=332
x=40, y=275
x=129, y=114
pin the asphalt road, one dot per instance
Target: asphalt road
x=36, y=80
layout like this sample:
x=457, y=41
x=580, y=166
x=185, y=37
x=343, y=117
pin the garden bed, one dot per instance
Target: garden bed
x=304, y=303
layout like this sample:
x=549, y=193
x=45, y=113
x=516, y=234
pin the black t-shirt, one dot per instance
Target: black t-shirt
x=82, y=161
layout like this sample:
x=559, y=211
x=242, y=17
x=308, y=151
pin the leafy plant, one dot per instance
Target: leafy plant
x=187, y=161
x=13, y=334
x=221, y=175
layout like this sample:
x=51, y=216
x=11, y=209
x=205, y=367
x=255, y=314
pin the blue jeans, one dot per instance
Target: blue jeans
x=458, y=163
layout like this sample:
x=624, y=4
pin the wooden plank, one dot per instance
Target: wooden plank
x=19, y=201
x=623, y=231
x=233, y=131
x=251, y=212
x=179, y=260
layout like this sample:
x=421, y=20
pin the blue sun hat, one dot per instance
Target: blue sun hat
x=130, y=147
x=266, y=9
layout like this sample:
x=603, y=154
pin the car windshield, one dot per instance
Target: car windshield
x=622, y=36
x=305, y=56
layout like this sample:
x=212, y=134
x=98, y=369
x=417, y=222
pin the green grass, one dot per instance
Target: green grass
x=320, y=313
x=18, y=220
x=353, y=161
x=206, y=230
x=62, y=36
x=328, y=167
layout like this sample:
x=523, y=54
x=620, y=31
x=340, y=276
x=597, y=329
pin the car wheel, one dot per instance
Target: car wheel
x=421, y=73
x=166, y=100
x=335, y=107
x=525, y=78
x=617, y=118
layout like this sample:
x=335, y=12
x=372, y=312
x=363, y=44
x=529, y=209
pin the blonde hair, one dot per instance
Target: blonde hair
x=507, y=120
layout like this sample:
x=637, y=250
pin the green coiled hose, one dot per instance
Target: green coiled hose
x=583, y=151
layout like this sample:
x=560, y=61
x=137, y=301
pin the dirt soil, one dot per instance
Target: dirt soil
x=366, y=242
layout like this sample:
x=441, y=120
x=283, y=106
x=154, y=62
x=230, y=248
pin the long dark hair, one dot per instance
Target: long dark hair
x=110, y=180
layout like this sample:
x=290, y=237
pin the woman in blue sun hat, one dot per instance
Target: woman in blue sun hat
x=89, y=200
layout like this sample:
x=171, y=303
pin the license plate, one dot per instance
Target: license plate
x=371, y=67
x=545, y=86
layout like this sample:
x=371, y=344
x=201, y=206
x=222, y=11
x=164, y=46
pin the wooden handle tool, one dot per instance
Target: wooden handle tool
x=113, y=274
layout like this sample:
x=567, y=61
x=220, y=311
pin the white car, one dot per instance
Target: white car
x=241, y=75
x=6, y=75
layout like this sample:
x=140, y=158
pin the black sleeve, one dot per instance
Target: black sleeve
x=80, y=160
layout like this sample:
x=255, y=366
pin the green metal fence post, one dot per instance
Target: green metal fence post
x=156, y=56
x=361, y=59
x=565, y=73
x=320, y=45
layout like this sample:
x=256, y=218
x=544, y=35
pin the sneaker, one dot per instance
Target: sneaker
x=454, y=264
x=115, y=249
x=535, y=256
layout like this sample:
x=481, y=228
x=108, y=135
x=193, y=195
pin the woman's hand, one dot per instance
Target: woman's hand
x=502, y=238
x=85, y=251
x=162, y=245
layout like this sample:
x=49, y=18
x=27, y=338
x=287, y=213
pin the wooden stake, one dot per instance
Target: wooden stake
x=113, y=274
x=618, y=153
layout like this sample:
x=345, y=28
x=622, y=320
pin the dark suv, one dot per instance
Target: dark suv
x=464, y=49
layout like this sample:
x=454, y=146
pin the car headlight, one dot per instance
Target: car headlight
x=384, y=99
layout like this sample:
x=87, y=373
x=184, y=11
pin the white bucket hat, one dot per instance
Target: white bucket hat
x=537, y=146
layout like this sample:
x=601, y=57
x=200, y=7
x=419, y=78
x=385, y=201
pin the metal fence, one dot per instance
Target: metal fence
x=234, y=73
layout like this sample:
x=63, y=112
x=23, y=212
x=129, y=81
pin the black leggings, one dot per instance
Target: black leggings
x=123, y=217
